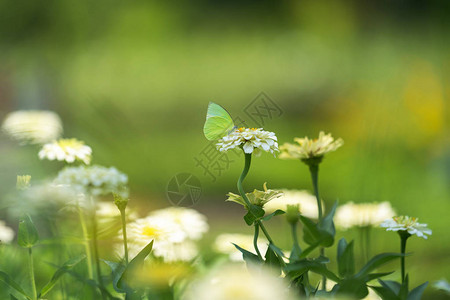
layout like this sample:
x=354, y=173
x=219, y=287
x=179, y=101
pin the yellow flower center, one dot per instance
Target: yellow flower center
x=151, y=231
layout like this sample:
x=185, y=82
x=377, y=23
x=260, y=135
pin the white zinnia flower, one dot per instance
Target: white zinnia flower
x=166, y=236
x=224, y=244
x=94, y=180
x=363, y=214
x=251, y=140
x=306, y=201
x=6, y=233
x=235, y=282
x=190, y=221
x=409, y=224
x=310, y=148
x=32, y=126
x=68, y=150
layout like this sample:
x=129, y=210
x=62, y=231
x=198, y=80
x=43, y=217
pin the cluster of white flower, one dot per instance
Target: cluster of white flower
x=93, y=180
x=174, y=231
x=68, y=150
x=235, y=282
x=306, y=201
x=409, y=224
x=362, y=214
x=251, y=140
x=310, y=148
x=224, y=244
x=32, y=126
x=6, y=233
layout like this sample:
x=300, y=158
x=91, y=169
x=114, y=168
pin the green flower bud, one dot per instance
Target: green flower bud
x=292, y=213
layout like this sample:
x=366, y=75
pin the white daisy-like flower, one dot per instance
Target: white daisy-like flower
x=224, y=244
x=306, y=201
x=94, y=180
x=6, y=233
x=362, y=214
x=69, y=150
x=409, y=224
x=189, y=220
x=237, y=283
x=251, y=140
x=306, y=148
x=32, y=126
x=166, y=235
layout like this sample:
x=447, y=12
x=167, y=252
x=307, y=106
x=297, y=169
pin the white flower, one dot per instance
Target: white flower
x=6, y=233
x=363, y=214
x=190, y=221
x=94, y=180
x=307, y=202
x=168, y=239
x=224, y=244
x=32, y=126
x=409, y=224
x=68, y=150
x=310, y=148
x=251, y=140
x=235, y=282
x=257, y=197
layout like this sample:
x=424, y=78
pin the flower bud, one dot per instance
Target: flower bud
x=292, y=213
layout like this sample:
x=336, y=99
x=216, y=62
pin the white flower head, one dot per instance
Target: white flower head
x=251, y=140
x=169, y=241
x=408, y=224
x=237, y=283
x=69, y=150
x=224, y=244
x=94, y=180
x=362, y=214
x=189, y=221
x=257, y=197
x=306, y=148
x=32, y=126
x=306, y=201
x=6, y=233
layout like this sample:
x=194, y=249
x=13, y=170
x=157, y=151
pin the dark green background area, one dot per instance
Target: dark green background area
x=133, y=80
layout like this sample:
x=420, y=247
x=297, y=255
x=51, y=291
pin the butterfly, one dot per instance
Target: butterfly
x=218, y=122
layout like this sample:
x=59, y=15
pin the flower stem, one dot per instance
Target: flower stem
x=248, y=161
x=95, y=247
x=31, y=268
x=314, y=170
x=124, y=233
x=367, y=233
x=255, y=241
x=404, y=235
x=86, y=243
x=294, y=235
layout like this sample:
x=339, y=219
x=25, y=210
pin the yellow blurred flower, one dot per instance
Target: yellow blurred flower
x=69, y=150
x=362, y=214
x=306, y=148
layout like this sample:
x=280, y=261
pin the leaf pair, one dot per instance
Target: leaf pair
x=321, y=233
x=392, y=290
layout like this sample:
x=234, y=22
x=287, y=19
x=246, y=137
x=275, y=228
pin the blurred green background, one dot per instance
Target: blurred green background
x=133, y=80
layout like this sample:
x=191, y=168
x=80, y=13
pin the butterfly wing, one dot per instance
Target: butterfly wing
x=218, y=122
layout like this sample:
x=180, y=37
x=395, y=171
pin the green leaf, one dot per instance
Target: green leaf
x=11, y=297
x=254, y=213
x=136, y=262
x=275, y=213
x=295, y=253
x=60, y=272
x=416, y=293
x=272, y=259
x=317, y=266
x=385, y=293
x=327, y=224
x=248, y=256
x=352, y=287
x=376, y=262
x=313, y=234
x=28, y=235
x=309, y=250
x=345, y=258
x=404, y=288
x=391, y=285
x=117, y=270
x=373, y=276
x=12, y=284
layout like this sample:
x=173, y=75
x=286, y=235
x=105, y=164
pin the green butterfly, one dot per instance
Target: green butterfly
x=218, y=122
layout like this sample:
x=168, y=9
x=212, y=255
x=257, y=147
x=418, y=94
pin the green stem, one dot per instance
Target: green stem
x=314, y=170
x=367, y=232
x=248, y=161
x=95, y=248
x=255, y=241
x=33, y=282
x=86, y=243
x=294, y=235
x=124, y=233
x=404, y=235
